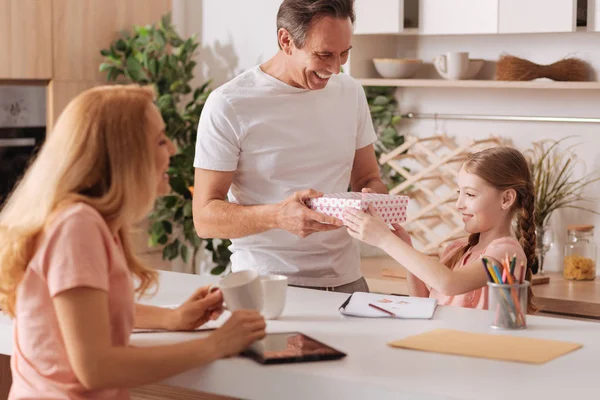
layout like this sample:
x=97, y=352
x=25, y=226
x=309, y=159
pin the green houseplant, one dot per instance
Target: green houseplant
x=553, y=173
x=156, y=55
x=384, y=113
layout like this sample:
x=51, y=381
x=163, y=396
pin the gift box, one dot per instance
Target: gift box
x=391, y=208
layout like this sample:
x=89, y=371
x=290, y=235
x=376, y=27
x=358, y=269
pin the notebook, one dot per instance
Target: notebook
x=358, y=305
x=484, y=345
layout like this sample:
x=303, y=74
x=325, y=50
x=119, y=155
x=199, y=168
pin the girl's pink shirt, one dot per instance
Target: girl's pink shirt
x=497, y=249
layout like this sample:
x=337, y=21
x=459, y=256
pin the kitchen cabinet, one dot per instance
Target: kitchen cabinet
x=456, y=17
x=536, y=16
x=593, y=16
x=448, y=17
x=25, y=39
x=379, y=16
x=81, y=29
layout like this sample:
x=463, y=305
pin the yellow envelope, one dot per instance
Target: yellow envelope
x=496, y=347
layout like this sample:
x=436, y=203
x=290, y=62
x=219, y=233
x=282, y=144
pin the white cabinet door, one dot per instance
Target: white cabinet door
x=447, y=17
x=529, y=16
x=593, y=16
x=379, y=16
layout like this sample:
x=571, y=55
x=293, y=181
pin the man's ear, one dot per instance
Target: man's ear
x=285, y=40
x=509, y=197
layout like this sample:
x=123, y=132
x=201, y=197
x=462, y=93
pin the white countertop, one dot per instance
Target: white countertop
x=372, y=369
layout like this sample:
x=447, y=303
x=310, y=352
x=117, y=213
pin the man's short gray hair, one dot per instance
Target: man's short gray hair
x=297, y=16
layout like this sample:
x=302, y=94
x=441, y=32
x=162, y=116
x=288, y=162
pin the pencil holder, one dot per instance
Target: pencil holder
x=507, y=305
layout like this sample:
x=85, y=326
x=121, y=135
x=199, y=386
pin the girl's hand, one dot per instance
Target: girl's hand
x=197, y=310
x=402, y=234
x=367, y=227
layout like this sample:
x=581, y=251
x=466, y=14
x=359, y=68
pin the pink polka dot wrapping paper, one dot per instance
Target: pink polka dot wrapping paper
x=390, y=207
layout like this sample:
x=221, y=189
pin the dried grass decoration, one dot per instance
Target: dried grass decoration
x=511, y=68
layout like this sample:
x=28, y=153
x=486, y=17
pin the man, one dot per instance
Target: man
x=288, y=130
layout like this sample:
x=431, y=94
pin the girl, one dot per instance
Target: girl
x=493, y=186
x=66, y=261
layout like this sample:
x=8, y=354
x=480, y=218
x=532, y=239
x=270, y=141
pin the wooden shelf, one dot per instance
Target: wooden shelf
x=481, y=84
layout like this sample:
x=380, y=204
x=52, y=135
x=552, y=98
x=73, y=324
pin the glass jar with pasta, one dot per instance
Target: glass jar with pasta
x=580, y=253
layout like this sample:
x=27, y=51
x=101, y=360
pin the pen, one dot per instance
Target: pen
x=381, y=309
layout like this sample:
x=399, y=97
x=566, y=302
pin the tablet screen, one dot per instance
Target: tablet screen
x=290, y=347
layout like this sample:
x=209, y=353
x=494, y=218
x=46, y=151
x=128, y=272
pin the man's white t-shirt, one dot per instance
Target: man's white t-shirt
x=280, y=139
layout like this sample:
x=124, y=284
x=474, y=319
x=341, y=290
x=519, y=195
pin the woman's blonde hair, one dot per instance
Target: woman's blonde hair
x=98, y=154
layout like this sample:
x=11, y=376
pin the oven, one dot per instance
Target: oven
x=22, y=131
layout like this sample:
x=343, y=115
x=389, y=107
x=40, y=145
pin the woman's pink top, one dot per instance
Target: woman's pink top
x=77, y=250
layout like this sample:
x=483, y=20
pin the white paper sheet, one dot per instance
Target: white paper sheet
x=401, y=306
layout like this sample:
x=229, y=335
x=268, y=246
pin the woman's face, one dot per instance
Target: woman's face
x=163, y=149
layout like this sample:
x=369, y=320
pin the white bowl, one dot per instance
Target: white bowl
x=397, y=68
x=475, y=65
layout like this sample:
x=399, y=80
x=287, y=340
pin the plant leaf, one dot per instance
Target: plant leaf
x=134, y=68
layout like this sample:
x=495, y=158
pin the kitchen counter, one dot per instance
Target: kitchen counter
x=372, y=369
x=559, y=297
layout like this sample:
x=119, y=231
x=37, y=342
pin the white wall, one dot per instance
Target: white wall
x=236, y=35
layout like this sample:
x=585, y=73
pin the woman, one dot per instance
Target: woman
x=66, y=263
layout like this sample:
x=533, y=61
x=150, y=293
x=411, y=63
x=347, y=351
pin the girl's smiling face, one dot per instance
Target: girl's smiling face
x=479, y=204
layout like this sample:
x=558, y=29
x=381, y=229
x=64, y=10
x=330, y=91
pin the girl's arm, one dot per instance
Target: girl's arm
x=83, y=319
x=371, y=229
x=447, y=281
x=416, y=287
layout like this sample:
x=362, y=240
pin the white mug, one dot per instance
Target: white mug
x=453, y=65
x=274, y=294
x=241, y=290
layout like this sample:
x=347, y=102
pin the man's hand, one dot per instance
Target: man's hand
x=295, y=217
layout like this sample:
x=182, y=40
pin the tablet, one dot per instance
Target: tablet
x=290, y=347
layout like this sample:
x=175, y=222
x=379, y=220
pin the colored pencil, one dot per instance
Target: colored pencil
x=513, y=263
x=497, y=272
x=485, y=268
x=381, y=309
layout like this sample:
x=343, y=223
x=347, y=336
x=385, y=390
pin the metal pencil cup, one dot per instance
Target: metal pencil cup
x=507, y=305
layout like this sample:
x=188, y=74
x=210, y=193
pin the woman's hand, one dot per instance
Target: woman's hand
x=197, y=310
x=243, y=328
x=368, y=227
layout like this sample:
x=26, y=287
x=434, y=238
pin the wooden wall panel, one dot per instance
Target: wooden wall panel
x=83, y=27
x=26, y=39
x=59, y=94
